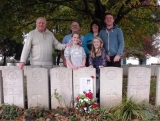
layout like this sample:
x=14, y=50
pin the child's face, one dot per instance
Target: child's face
x=75, y=39
x=96, y=43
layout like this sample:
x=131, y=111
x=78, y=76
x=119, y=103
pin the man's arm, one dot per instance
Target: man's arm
x=121, y=45
x=63, y=58
x=62, y=53
x=26, y=50
x=57, y=45
x=120, y=42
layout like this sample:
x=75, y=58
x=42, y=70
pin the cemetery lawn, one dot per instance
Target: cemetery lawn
x=127, y=110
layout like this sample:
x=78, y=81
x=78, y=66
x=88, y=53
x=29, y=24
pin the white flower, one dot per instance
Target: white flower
x=85, y=108
x=86, y=100
x=81, y=100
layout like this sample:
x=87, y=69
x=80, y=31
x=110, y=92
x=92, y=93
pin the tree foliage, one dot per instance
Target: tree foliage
x=147, y=49
x=137, y=18
x=9, y=48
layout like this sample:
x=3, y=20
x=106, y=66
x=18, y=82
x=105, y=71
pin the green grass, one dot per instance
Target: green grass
x=152, y=91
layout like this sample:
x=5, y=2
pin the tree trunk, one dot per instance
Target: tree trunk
x=4, y=60
x=140, y=61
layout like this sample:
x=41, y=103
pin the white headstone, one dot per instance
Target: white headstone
x=156, y=69
x=1, y=96
x=78, y=75
x=37, y=87
x=25, y=69
x=153, y=70
x=13, y=87
x=110, y=86
x=1, y=67
x=157, y=100
x=139, y=84
x=61, y=83
x=5, y=67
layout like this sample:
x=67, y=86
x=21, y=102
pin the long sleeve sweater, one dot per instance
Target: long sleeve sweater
x=75, y=54
x=39, y=46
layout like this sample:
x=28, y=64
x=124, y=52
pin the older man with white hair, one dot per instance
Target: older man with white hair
x=39, y=44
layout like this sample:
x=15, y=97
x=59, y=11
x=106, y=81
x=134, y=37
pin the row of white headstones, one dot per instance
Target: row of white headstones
x=66, y=82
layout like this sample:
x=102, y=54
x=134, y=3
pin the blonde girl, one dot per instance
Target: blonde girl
x=97, y=60
x=97, y=57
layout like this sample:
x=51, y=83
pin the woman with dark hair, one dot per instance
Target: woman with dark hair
x=95, y=28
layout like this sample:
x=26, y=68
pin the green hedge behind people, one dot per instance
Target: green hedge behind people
x=113, y=39
x=95, y=28
x=39, y=44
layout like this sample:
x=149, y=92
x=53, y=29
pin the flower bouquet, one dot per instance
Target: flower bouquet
x=85, y=102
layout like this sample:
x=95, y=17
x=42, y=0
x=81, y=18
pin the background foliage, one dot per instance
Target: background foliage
x=137, y=18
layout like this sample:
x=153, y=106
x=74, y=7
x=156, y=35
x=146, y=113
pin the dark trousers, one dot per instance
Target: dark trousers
x=87, y=60
x=98, y=87
x=114, y=64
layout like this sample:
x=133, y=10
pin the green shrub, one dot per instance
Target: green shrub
x=34, y=113
x=130, y=110
x=10, y=112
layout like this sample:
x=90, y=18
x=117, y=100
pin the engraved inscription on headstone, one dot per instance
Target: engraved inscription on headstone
x=61, y=82
x=37, y=95
x=12, y=75
x=13, y=87
x=112, y=98
x=60, y=75
x=111, y=75
x=13, y=94
x=139, y=84
x=36, y=76
x=37, y=87
x=110, y=87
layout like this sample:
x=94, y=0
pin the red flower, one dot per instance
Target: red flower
x=89, y=95
x=94, y=105
x=77, y=98
x=92, y=77
x=83, y=107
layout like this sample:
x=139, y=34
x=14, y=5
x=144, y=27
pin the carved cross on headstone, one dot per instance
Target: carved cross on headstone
x=112, y=97
x=13, y=93
x=37, y=95
x=139, y=87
